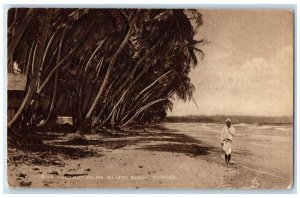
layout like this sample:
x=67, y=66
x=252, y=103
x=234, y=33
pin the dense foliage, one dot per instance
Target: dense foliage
x=104, y=67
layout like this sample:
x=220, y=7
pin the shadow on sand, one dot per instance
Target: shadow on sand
x=48, y=155
x=32, y=149
x=159, y=139
x=192, y=150
x=162, y=140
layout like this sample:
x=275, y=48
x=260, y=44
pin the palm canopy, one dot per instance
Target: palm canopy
x=156, y=49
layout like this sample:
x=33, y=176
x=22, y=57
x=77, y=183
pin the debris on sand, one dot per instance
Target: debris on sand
x=36, y=158
x=141, y=166
x=74, y=174
x=77, y=139
x=22, y=175
x=53, y=173
x=35, y=168
x=58, y=163
x=118, y=146
x=25, y=183
x=47, y=182
x=88, y=169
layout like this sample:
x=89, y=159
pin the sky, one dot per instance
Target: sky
x=248, y=65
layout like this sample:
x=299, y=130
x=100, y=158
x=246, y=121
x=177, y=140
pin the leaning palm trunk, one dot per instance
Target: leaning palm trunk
x=52, y=72
x=148, y=97
x=117, y=92
x=106, y=95
x=89, y=98
x=38, y=60
x=142, y=109
x=120, y=89
x=114, y=108
x=29, y=59
x=53, y=101
x=19, y=30
x=97, y=119
x=11, y=27
x=136, y=104
x=84, y=74
x=145, y=89
x=44, y=57
x=152, y=84
x=107, y=76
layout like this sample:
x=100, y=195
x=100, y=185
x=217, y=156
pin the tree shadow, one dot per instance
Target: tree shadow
x=34, y=148
x=49, y=155
x=109, y=144
x=170, y=137
x=169, y=141
x=192, y=150
x=49, y=136
x=161, y=140
x=69, y=152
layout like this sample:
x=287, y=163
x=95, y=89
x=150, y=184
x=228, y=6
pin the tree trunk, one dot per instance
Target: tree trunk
x=52, y=72
x=45, y=24
x=27, y=71
x=145, y=89
x=43, y=61
x=19, y=30
x=53, y=101
x=114, y=108
x=107, y=76
x=142, y=109
x=84, y=76
x=119, y=90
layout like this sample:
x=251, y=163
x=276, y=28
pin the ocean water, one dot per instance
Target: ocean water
x=267, y=148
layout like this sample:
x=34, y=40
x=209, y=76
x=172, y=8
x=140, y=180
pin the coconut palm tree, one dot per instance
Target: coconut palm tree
x=105, y=67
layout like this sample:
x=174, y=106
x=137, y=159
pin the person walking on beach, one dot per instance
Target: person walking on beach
x=226, y=140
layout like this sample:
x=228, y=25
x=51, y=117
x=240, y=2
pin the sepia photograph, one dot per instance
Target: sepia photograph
x=150, y=98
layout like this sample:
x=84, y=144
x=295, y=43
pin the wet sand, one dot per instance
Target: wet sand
x=177, y=155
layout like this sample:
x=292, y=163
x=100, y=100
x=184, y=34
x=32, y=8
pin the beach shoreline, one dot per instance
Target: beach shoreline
x=169, y=156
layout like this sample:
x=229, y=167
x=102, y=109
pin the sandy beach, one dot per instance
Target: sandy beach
x=172, y=155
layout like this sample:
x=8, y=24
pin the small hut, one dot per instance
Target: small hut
x=16, y=86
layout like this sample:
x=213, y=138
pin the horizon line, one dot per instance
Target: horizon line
x=229, y=115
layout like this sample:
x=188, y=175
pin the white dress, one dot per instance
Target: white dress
x=226, y=138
